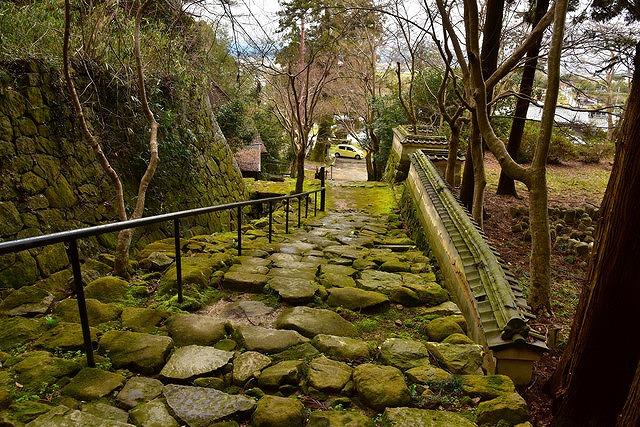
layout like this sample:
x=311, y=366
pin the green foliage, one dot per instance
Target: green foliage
x=561, y=148
x=31, y=30
x=389, y=114
x=274, y=138
x=235, y=123
x=596, y=145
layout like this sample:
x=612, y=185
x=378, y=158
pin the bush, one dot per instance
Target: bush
x=595, y=145
x=561, y=148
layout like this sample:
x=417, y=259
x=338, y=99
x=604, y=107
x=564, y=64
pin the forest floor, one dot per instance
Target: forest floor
x=571, y=185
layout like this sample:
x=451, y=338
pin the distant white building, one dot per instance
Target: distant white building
x=566, y=115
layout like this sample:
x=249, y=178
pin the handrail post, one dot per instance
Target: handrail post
x=270, y=220
x=72, y=251
x=286, y=217
x=322, y=194
x=299, y=209
x=306, y=206
x=239, y=230
x=315, y=202
x=178, y=247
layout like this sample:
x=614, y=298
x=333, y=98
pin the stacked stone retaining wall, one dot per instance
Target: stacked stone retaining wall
x=51, y=180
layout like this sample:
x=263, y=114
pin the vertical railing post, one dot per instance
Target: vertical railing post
x=82, y=304
x=270, y=220
x=315, y=202
x=286, y=217
x=299, y=209
x=322, y=194
x=176, y=234
x=306, y=206
x=239, y=230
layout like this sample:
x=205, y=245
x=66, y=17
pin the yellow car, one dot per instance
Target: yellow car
x=347, y=150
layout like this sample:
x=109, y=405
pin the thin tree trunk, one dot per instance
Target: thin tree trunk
x=466, y=187
x=300, y=155
x=540, y=272
x=123, y=243
x=540, y=265
x=506, y=184
x=593, y=383
x=479, y=178
x=452, y=156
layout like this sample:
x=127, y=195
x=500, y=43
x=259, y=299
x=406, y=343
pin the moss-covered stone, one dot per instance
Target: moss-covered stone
x=6, y=129
x=509, y=407
x=61, y=195
x=107, y=289
x=381, y=386
x=441, y=327
x=97, y=311
x=487, y=386
x=66, y=336
x=10, y=220
x=20, y=330
x=22, y=271
x=27, y=300
x=93, y=383
x=274, y=411
x=144, y=319
x=339, y=419
x=40, y=367
x=52, y=258
x=139, y=352
x=401, y=417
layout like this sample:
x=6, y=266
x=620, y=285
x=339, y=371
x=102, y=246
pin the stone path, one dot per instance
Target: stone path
x=340, y=323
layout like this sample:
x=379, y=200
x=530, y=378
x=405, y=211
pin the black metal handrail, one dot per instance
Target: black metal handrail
x=70, y=237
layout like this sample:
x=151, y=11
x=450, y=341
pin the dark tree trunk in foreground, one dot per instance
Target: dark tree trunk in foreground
x=506, y=184
x=596, y=383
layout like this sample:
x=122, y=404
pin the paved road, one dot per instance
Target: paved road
x=344, y=169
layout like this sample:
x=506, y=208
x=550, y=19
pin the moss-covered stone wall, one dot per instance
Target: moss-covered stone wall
x=51, y=181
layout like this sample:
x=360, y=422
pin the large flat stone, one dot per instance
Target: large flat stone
x=355, y=299
x=342, y=348
x=92, y=383
x=62, y=416
x=244, y=282
x=139, y=352
x=194, y=360
x=267, y=340
x=200, y=407
x=379, y=281
x=294, y=290
x=313, y=321
x=187, y=329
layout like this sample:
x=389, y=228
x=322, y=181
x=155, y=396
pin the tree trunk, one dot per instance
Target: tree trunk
x=479, y=178
x=466, y=187
x=300, y=155
x=492, y=32
x=631, y=411
x=452, y=156
x=597, y=370
x=539, y=290
x=540, y=264
x=506, y=184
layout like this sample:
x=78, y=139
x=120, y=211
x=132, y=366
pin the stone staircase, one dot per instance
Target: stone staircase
x=341, y=322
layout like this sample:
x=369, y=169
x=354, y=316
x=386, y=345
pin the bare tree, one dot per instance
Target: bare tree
x=476, y=86
x=124, y=237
